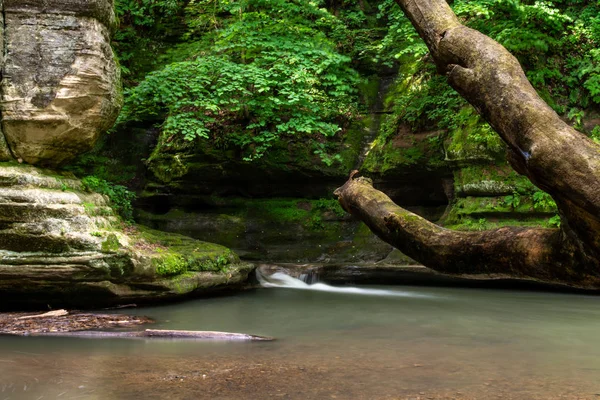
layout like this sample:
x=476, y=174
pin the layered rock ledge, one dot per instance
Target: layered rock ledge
x=63, y=246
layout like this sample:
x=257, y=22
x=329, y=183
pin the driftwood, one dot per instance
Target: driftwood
x=49, y=314
x=63, y=321
x=160, y=333
x=65, y=324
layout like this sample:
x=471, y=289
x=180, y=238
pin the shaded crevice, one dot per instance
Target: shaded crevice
x=376, y=111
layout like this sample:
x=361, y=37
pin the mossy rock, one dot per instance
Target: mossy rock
x=172, y=254
x=490, y=180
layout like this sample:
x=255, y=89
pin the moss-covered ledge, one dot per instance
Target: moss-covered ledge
x=61, y=245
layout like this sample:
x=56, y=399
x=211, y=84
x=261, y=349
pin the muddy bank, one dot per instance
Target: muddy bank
x=219, y=377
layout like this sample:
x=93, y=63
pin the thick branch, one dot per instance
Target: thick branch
x=528, y=253
x=553, y=155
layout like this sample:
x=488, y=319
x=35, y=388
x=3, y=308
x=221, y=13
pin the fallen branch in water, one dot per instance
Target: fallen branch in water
x=160, y=333
x=65, y=324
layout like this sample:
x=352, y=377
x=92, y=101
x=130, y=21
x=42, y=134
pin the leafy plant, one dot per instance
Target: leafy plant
x=120, y=197
x=543, y=201
x=170, y=264
x=269, y=73
x=554, y=221
x=513, y=200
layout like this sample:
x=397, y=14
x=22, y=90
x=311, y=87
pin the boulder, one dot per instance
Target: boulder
x=60, y=88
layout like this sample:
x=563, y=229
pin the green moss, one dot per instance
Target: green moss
x=472, y=138
x=403, y=152
x=501, y=174
x=369, y=90
x=184, y=283
x=167, y=167
x=331, y=205
x=175, y=254
x=282, y=210
x=111, y=244
x=169, y=264
x=352, y=144
x=479, y=224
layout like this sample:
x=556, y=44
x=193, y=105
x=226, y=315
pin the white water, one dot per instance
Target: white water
x=282, y=280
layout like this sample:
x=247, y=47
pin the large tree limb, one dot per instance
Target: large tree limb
x=527, y=253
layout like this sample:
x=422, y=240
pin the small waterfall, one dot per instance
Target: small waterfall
x=310, y=277
x=281, y=280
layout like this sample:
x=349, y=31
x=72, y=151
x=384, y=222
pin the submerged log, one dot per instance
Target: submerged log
x=161, y=334
x=65, y=324
x=63, y=321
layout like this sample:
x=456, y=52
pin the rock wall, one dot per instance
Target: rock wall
x=60, y=83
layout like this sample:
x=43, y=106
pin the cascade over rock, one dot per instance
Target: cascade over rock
x=60, y=81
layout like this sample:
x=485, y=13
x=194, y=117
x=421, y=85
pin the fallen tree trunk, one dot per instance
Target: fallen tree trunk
x=554, y=156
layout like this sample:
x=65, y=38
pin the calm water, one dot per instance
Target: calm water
x=406, y=343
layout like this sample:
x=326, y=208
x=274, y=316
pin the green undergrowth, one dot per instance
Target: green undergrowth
x=120, y=197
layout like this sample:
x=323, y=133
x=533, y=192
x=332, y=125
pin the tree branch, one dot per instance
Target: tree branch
x=526, y=253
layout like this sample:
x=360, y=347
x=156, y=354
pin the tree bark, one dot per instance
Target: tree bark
x=554, y=156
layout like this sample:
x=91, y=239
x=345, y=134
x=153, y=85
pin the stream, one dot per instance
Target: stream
x=332, y=343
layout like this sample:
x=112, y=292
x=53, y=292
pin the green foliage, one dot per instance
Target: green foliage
x=595, y=134
x=513, y=200
x=556, y=42
x=475, y=225
x=120, y=197
x=268, y=73
x=554, y=221
x=147, y=29
x=218, y=264
x=543, y=201
x=170, y=264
